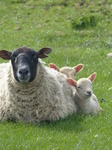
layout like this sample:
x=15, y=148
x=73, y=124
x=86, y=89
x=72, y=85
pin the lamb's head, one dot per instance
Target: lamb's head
x=24, y=62
x=70, y=72
x=83, y=86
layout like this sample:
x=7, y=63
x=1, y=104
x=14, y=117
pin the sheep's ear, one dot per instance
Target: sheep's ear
x=5, y=54
x=42, y=53
x=51, y=65
x=72, y=82
x=78, y=68
x=92, y=77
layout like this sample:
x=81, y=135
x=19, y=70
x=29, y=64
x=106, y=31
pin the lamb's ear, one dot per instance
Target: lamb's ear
x=5, y=54
x=92, y=77
x=78, y=68
x=51, y=65
x=42, y=53
x=72, y=82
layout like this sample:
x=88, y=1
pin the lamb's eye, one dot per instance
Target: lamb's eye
x=79, y=87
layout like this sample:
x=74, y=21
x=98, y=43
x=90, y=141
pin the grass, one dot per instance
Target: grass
x=66, y=27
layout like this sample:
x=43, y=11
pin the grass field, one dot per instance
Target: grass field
x=78, y=31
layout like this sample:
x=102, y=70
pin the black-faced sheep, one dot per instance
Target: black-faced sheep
x=70, y=72
x=30, y=91
x=86, y=101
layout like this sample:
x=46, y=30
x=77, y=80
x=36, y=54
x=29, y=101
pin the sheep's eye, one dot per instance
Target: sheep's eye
x=32, y=61
x=13, y=58
x=33, y=58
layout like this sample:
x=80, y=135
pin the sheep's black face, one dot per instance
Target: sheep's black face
x=24, y=65
x=24, y=62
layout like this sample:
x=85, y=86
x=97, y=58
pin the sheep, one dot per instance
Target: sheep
x=109, y=55
x=30, y=91
x=86, y=101
x=70, y=72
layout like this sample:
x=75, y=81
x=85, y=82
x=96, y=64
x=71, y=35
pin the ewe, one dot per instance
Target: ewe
x=70, y=72
x=85, y=100
x=30, y=91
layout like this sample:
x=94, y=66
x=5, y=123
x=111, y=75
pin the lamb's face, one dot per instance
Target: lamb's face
x=68, y=71
x=84, y=88
x=24, y=62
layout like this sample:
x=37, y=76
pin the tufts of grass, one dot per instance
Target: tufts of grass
x=84, y=22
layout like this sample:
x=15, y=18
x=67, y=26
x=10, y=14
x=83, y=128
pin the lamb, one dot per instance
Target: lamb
x=86, y=101
x=70, y=72
x=31, y=92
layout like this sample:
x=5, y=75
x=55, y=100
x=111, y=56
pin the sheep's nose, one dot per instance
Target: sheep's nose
x=23, y=71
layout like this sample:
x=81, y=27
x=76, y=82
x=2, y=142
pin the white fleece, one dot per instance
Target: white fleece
x=47, y=97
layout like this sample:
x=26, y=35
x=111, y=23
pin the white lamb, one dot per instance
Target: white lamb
x=86, y=101
x=30, y=91
x=70, y=72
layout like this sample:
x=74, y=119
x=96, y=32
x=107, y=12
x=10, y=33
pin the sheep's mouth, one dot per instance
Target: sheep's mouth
x=23, y=79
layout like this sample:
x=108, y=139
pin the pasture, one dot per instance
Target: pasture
x=78, y=31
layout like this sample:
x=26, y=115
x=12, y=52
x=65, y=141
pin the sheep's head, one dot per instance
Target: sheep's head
x=24, y=62
x=70, y=72
x=83, y=86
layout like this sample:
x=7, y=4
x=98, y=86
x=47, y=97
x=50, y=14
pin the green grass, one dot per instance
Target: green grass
x=66, y=27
